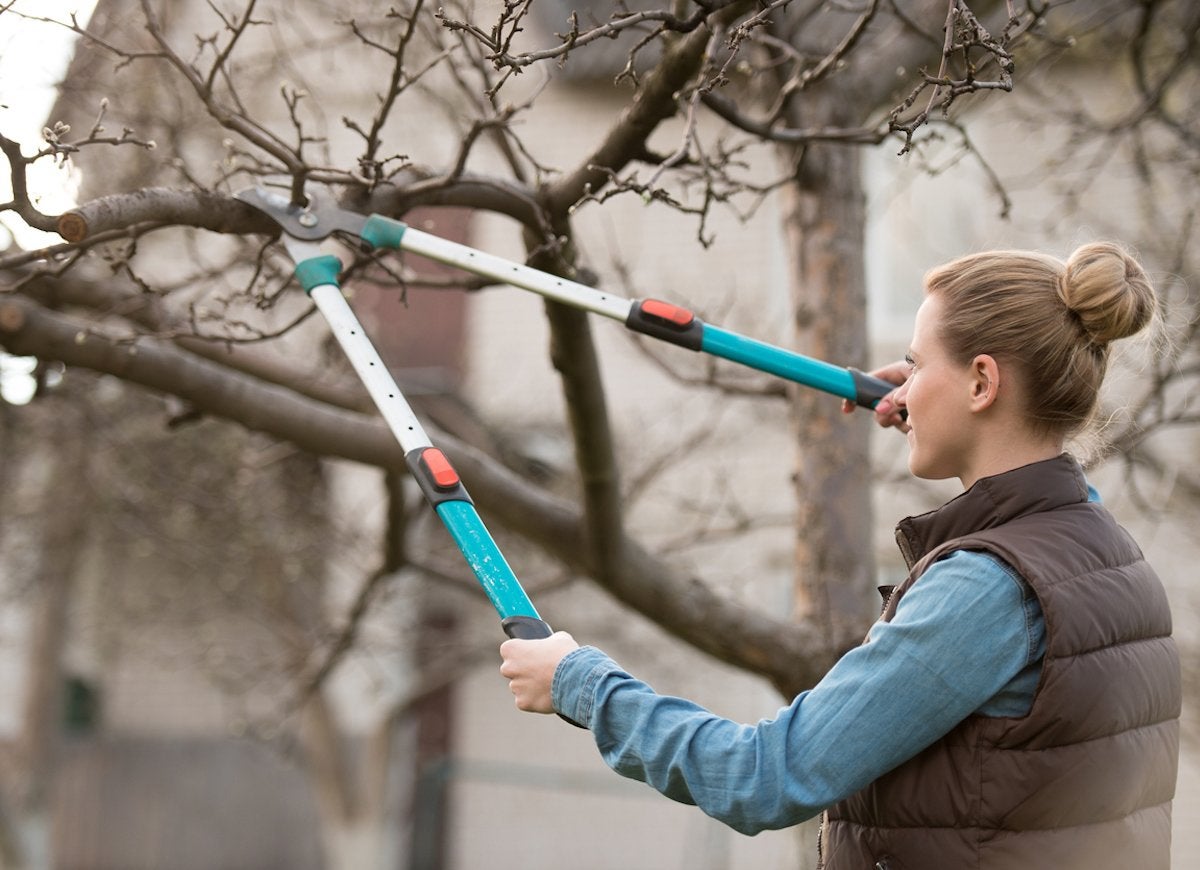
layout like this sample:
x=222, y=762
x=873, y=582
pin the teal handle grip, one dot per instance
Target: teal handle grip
x=382, y=232
x=485, y=559
x=777, y=361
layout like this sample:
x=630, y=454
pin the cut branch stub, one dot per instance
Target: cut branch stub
x=73, y=227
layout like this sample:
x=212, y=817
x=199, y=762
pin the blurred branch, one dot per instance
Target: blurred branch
x=964, y=34
x=498, y=40
x=394, y=558
x=369, y=164
x=233, y=118
x=626, y=140
x=791, y=656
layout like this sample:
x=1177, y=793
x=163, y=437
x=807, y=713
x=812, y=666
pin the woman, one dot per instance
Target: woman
x=1017, y=704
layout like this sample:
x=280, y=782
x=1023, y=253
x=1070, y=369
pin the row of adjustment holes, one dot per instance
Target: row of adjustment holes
x=515, y=268
x=372, y=362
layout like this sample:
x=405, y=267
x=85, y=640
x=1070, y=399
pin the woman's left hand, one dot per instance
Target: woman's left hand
x=529, y=667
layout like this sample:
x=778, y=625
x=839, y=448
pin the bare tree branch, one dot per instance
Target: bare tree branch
x=791, y=656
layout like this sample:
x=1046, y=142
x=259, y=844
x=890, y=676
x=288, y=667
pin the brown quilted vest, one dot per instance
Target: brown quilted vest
x=1085, y=780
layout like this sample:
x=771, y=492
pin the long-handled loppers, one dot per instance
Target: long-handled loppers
x=323, y=217
x=318, y=275
x=304, y=226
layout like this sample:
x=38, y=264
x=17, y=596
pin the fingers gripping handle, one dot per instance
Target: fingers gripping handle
x=531, y=628
x=518, y=617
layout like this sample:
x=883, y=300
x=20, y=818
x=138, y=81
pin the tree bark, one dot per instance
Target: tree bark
x=824, y=228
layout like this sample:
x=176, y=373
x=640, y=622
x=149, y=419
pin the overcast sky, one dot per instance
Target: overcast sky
x=33, y=56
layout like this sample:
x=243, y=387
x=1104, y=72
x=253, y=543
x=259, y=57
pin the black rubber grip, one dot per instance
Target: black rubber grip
x=526, y=627
x=869, y=390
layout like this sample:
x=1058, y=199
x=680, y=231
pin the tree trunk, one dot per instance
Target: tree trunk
x=433, y=747
x=824, y=227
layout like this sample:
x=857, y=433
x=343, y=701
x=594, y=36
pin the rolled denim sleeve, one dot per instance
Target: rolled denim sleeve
x=967, y=636
x=573, y=691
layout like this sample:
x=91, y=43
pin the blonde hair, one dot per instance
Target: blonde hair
x=1053, y=320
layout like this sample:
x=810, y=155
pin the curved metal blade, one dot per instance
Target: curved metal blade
x=319, y=219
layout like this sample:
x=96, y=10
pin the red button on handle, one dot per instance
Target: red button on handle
x=666, y=311
x=441, y=472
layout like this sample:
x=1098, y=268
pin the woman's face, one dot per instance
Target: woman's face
x=937, y=395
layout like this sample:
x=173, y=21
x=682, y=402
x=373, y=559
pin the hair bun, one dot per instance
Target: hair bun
x=1108, y=291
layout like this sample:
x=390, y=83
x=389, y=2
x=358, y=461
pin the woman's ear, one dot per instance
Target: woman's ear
x=985, y=382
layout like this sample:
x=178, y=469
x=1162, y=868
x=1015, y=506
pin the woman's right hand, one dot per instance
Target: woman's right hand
x=887, y=411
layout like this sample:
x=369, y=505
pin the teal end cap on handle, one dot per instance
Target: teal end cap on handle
x=485, y=559
x=381, y=232
x=777, y=361
x=318, y=271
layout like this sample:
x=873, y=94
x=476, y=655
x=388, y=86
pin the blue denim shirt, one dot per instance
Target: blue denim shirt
x=969, y=638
